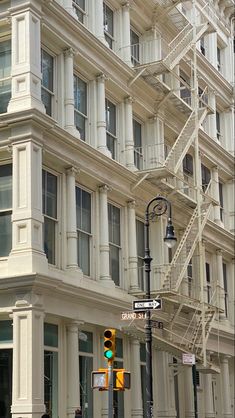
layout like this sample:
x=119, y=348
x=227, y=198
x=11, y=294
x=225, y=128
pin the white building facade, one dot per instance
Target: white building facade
x=103, y=106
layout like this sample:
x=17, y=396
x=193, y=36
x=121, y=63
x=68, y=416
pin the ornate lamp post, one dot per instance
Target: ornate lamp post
x=156, y=207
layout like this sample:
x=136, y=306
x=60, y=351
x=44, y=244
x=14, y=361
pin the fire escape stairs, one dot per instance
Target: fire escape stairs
x=196, y=337
x=176, y=270
x=178, y=151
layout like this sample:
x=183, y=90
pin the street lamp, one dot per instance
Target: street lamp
x=159, y=205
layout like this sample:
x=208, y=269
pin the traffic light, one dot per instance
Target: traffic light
x=99, y=379
x=109, y=344
x=122, y=380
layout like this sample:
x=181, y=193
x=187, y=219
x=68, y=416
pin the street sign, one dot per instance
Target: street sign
x=147, y=304
x=156, y=324
x=188, y=358
x=131, y=315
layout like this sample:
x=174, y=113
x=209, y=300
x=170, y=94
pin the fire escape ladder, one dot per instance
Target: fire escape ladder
x=176, y=270
x=184, y=140
x=196, y=337
x=182, y=43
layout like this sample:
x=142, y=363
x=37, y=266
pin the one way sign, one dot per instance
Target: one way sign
x=146, y=304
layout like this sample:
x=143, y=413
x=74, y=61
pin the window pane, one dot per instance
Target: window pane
x=80, y=123
x=108, y=20
x=86, y=342
x=80, y=95
x=47, y=70
x=5, y=383
x=114, y=224
x=49, y=239
x=140, y=238
x=5, y=95
x=49, y=185
x=110, y=112
x=6, y=331
x=6, y=234
x=6, y=186
x=5, y=59
x=46, y=100
x=83, y=210
x=86, y=392
x=51, y=383
x=137, y=134
x=84, y=253
x=79, y=13
x=51, y=335
x=111, y=145
x=114, y=263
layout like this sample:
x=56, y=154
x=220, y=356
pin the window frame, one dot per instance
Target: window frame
x=79, y=10
x=188, y=166
x=44, y=88
x=140, y=258
x=115, y=245
x=205, y=177
x=77, y=111
x=135, y=51
x=55, y=220
x=90, y=355
x=90, y=234
x=138, y=151
x=9, y=77
x=225, y=283
x=208, y=281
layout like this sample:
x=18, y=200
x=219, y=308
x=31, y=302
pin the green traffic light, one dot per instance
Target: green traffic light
x=108, y=354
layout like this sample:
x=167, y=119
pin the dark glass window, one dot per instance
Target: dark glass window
x=188, y=164
x=80, y=105
x=206, y=177
x=110, y=113
x=49, y=199
x=5, y=75
x=51, y=335
x=135, y=48
x=47, y=68
x=79, y=8
x=5, y=209
x=137, y=134
x=108, y=25
x=140, y=252
x=83, y=212
x=114, y=242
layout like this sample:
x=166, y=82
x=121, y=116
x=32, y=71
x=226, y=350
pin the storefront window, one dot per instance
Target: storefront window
x=85, y=369
x=5, y=382
x=51, y=369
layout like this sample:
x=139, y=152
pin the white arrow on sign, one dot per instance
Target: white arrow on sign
x=145, y=304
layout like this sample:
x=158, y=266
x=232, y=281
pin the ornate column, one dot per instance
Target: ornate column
x=208, y=397
x=126, y=44
x=72, y=256
x=26, y=57
x=69, y=93
x=132, y=247
x=188, y=392
x=215, y=194
x=220, y=283
x=27, y=254
x=73, y=378
x=28, y=362
x=104, y=236
x=136, y=395
x=101, y=120
x=225, y=387
x=129, y=140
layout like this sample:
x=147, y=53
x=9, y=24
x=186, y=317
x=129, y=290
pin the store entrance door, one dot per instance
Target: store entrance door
x=5, y=383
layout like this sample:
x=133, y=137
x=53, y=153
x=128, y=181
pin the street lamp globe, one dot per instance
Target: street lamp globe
x=170, y=239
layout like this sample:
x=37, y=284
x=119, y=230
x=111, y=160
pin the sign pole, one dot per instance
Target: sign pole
x=110, y=389
x=194, y=373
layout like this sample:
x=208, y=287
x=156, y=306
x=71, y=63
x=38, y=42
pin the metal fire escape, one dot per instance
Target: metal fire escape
x=200, y=315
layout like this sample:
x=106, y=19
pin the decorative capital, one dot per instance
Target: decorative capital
x=101, y=78
x=131, y=204
x=219, y=251
x=69, y=52
x=104, y=189
x=72, y=171
x=129, y=100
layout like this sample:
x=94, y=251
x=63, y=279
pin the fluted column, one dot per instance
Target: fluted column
x=220, y=282
x=101, y=120
x=132, y=247
x=104, y=236
x=129, y=141
x=208, y=397
x=136, y=395
x=26, y=57
x=69, y=93
x=126, y=44
x=225, y=387
x=215, y=194
x=28, y=367
x=188, y=392
x=71, y=219
x=73, y=379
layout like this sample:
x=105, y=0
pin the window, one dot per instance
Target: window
x=202, y=46
x=47, y=69
x=208, y=282
x=83, y=214
x=135, y=48
x=221, y=200
x=108, y=25
x=6, y=382
x=85, y=369
x=218, y=59
x=110, y=113
x=218, y=126
x=225, y=280
x=185, y=92
x=51, y=369
x=114, y=243
x=188, y=164
x=206, y=177
x=5, y=209
x=80, y=105
x=190, y=278
x=140, y=252
x=5, y=75
x=118, y=396
x=79, y=8
x=138, y=156
x=49, y=200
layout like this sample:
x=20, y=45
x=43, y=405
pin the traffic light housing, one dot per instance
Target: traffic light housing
x=109, y=344
x=122, y=379
x=99, y=379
